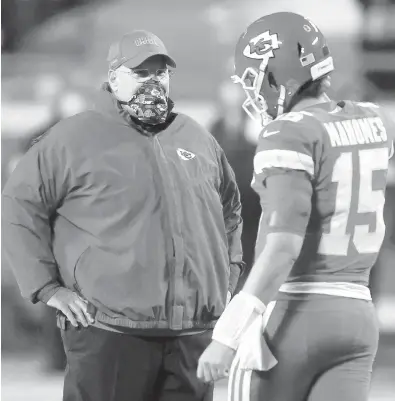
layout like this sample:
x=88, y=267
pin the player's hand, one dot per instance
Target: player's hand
x=72, y=306
x=215, y=362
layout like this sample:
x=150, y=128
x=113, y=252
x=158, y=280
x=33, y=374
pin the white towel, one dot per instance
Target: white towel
x=253, y=351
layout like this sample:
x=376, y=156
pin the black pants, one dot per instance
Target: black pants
x=108, y=366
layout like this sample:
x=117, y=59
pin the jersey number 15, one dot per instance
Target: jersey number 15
x=368, y=200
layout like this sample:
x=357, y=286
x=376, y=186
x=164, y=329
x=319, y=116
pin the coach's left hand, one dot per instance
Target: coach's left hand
x=215, y=362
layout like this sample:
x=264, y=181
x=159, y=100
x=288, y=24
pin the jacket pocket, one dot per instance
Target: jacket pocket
x=127, y=276
x=76, y=265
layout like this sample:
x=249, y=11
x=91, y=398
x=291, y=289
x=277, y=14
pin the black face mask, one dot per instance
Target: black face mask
x=149, y=104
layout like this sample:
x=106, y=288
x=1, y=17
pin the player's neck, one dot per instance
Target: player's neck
x=310, y=101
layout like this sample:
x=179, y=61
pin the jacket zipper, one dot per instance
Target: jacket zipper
x=171, y=221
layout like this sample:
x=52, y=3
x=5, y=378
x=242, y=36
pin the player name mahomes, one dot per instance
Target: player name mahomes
x=356, y=131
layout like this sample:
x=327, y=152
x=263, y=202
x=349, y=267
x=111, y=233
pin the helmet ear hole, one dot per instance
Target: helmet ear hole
x=300, y=49
x=325, y=51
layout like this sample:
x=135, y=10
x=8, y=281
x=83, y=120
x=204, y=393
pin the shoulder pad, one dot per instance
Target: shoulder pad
x=286, y=121
x=369, y=105
x=287, y=143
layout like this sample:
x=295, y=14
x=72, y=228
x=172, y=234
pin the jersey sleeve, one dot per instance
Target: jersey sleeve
x=389, y=124
x=286, y=146
x=284, y=168
x=388, y=119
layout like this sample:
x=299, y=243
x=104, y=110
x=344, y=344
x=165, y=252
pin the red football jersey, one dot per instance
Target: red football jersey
x=344, y=149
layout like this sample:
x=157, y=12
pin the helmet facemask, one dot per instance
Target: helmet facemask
x=256, y=106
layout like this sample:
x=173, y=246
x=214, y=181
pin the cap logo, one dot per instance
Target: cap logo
x=145, y=40
x=261, y=47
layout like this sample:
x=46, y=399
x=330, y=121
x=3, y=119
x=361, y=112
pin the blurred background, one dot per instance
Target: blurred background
x=53, y=60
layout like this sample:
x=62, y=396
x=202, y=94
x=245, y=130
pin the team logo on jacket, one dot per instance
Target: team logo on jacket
x=184, y=154
x=262, y=46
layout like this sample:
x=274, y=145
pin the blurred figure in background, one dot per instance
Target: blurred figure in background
x=126, y=219
x=232, y=131
x=49, y=102
x=377, y=67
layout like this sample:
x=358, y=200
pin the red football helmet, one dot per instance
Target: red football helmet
x=275, y=57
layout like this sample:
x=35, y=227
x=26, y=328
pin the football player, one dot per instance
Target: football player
x=320, y=171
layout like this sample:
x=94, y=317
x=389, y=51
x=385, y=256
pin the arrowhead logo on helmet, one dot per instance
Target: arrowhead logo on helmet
x=262, y=46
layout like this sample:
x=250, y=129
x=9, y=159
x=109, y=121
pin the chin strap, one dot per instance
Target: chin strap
x=281, y=101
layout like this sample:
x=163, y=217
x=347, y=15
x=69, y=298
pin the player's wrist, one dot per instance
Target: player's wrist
x=237, y=318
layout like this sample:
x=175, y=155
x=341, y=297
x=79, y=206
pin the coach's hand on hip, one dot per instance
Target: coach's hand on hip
x=215, y=362
x=72, y=306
